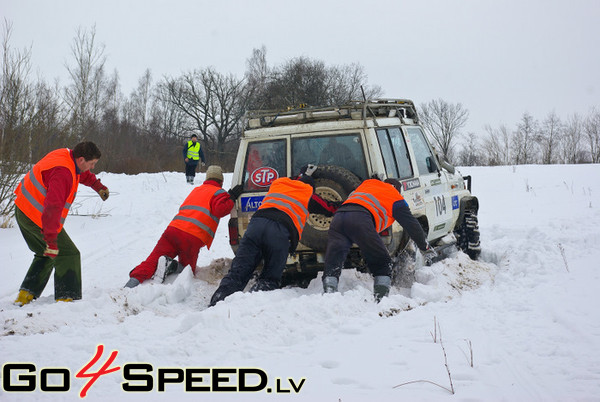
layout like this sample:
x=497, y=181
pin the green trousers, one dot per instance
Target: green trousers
x=67, y=264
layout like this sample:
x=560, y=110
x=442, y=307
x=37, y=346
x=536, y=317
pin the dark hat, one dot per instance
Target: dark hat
x=395, y=183
x=307, y=179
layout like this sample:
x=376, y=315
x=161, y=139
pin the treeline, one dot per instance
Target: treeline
x=552, y=140
x=145, y=131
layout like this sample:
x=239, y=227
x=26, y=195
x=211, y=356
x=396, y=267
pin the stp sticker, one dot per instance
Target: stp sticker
x=264, y=176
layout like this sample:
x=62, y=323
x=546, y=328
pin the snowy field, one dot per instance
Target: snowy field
x=522, y=324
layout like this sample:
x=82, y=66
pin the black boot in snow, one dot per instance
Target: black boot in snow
x=381, y=287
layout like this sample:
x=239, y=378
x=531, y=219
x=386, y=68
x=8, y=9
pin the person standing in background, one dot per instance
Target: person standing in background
x=192, y=154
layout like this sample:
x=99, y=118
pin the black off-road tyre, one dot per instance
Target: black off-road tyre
x=299, y=279
x=332, y=183
x=467, y=235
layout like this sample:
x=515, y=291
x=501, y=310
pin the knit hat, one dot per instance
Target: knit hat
x=214, y=172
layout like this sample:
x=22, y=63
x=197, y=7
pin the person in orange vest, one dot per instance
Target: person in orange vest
x=273, y=232
x=192, y=228
x=42, y=202
x=370, y=208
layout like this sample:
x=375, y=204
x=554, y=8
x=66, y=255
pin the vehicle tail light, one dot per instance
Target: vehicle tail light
x=234, y=233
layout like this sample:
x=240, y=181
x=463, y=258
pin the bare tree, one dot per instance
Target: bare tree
x=226, y=110
x=442, y=121
x=141, y=102
x=16, y=116
x=571, y=149
x=523, y=141
x=213, y=104
x=345, y=84
x=549, y=138
x=303, y=81
x=166, y=119
x=471, y=154
x=192, y=94
x=84, y=95
x=496, y=146
x=257, y=77
x=592, y=132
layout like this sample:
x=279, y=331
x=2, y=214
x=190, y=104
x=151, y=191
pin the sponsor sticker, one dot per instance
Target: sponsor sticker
x=251, y=204
x=410, y=184
x=455, y=202
x=264, y=176
x=439, y=227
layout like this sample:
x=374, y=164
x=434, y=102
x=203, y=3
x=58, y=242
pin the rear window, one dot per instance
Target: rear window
x=265, y=162
x=340, y=150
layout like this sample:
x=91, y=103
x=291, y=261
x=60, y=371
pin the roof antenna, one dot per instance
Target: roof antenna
x=367, y=107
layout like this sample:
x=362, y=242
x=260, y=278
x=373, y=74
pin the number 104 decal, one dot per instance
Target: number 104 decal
x=440, y=205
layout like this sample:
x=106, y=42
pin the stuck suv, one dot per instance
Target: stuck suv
x=349, y=144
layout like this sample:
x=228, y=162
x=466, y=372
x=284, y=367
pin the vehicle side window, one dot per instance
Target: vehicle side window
x=420, y=148
x=394, y=152
x=265, y=161
x=340, y=150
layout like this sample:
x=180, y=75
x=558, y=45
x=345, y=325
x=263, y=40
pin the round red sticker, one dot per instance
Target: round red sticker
x=264, y=176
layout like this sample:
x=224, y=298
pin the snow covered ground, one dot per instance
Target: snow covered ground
x=528, y=313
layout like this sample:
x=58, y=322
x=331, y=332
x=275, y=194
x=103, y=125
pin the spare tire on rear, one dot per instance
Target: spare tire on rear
x=332, y=183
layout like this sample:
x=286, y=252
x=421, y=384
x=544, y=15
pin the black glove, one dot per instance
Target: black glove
x=235, y=192
x=336, y=204
x=429, y=254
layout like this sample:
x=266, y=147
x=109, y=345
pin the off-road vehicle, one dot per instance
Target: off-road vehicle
x=351, y=143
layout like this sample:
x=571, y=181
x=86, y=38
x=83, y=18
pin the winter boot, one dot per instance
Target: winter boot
x=66, y=299
x=381, y=287
x=162, y=268
x=131, y=283
x=330, y=284
x=265, y=285
x=23, y=298
x=174, y=267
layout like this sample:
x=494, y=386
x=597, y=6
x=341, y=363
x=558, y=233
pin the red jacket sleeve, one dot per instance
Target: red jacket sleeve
x=89, y=179
x=58, y=182
x=221, y=205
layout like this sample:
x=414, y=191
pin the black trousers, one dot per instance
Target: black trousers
x=190, y=168
x=349, y=227
x=265, y=240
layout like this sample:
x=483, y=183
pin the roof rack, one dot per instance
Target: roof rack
x=355, y=110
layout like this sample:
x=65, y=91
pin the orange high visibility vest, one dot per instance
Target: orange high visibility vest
x=194, y=216
x=378, y=197
x=31, y=191
x=291, y=197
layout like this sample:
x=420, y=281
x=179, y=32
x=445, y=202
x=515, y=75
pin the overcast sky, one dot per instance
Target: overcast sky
x=499, y=59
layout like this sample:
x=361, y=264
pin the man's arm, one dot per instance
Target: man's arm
x=201, y=154
x=89, y=179
x=221, y=205
x=401, y=213
x=58, y=182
